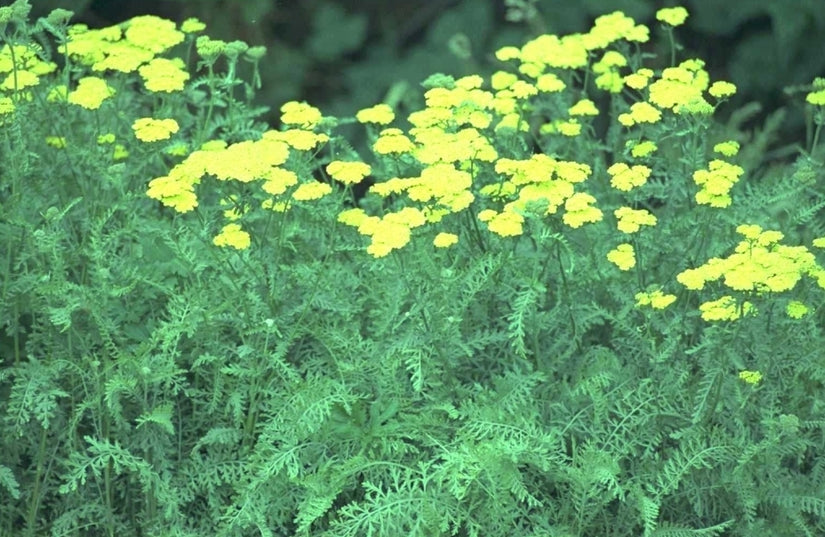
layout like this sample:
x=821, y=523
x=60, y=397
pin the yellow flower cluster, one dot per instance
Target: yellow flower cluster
x=626, y=178
x=816, y=97
x=716, y=182
x=152, y=130
x=796, y=309
x=388, y=233
x=131, y=46
x=380, y=114
x=656, y=299
x=680, y=88
x=725, y=308
x=759, y=264
x=750, y=377
x=672, y=16
x=622, y=256
x=162, y=75
x=246, y=162
x=91, y=92
x=21, y=67
x=631, y=220
x=540, y=179
x=349, y=173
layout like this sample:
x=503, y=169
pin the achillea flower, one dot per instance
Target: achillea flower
x=192, y=25
x=505, y=224
x=725, y=308
x=655, y=299
x=622, y=256
x=380, y=114
x=625, y=178
x=152, y=33
x=162, y=75
x=349, y=173
x=232, y=235
x=300, y=114
x=672, y=16
x=584, y=107
x=796, y=309
x=631, y=220
x=152, y=130
x=91, y=92
x=445, y=240
x=750, y=377
x=642, y=149
x=578, y=210
x=311, y=191
x=722, y=89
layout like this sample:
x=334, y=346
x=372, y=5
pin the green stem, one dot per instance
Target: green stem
x=34, y=500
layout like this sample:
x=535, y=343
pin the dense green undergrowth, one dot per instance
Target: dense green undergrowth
x=558, y=301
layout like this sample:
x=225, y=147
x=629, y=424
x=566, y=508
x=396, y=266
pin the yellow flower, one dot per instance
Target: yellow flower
x=277, y=180
x=721, y=89
x=750, y=377
x=522, y=90
x=507, y=53
x=152, y=33
x=6, y=106
x=693, y=279
x=386, y=237
x=91, y=92
x=642, y=112
x=469, y=82
x=816, y=98
x=579, y=210
x=123, y=56
x=639, y=79
x=549, y=83
x=655, y=299
x=352, y=217
x=392, y=141
x=625, y=178
x=302, y=140
x=120, y=152
x=796, y=309
x=502, y=80
x=506, y=224
x=642, y=149
x=192, y=25
x=725, y=309
x=567, y=52
x=673, y=16
x=631, y=220
x=348, y=172
x=728, y=149
x=622, y=256
x=152, y=130
x=58, y=142
x=445, y=240
x=678, y=87
x=245, y=161
x=584, y=107
x=300, y=114
x=232, y=235
x=381, y=114
x=311, y=191
x=162, y=75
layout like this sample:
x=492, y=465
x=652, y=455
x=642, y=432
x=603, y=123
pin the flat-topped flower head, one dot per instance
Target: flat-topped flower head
x=672, y=16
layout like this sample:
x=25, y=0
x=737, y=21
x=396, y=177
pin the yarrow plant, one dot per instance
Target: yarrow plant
x=560, y=298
